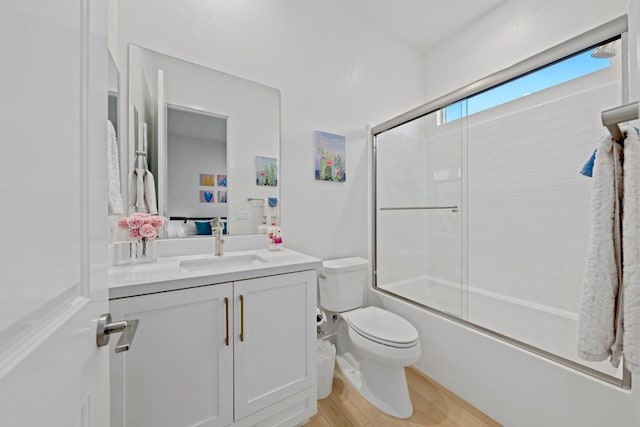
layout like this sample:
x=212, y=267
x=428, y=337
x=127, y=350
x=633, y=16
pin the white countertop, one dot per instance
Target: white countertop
x=165, y=274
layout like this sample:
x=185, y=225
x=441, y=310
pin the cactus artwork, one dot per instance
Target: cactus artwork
x=266, y=171
x=330, y=157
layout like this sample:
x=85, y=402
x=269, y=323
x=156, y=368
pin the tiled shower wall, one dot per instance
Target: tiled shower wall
x=528, y=206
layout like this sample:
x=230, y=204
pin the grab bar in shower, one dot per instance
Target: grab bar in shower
x=454, y=208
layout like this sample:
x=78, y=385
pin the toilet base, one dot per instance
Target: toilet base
x=383, y=385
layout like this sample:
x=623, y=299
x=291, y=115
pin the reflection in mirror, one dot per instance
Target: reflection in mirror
x=112, y=96
x=197, y=163
x=115, y=204
x=205, y=130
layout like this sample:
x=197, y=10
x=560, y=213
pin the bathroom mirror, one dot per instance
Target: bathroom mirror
x=204, y=135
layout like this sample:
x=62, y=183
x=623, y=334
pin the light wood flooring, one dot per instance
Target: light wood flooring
x=433, y=405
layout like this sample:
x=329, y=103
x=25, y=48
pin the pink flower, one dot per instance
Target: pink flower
x=135, y=222
x=123, y=223
x=277, y=240
x=148, y=231
x=135, y=234
x=261, y=173
x=329, y=163
x=157, y=222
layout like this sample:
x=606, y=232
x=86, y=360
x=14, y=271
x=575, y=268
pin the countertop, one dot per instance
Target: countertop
x=165, y=274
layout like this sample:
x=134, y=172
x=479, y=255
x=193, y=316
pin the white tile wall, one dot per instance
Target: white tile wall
x=528, y=206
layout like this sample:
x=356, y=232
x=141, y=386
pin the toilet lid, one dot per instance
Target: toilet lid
x=382, y=326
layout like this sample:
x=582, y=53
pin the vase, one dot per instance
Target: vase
x=141, y=251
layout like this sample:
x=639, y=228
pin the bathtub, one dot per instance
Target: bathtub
x=544, y=327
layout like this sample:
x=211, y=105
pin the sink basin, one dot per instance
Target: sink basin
x=225, y=261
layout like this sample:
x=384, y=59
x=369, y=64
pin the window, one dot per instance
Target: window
x=563, y=71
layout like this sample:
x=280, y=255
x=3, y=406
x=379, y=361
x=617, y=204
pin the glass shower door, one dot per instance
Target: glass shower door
x=418, y=212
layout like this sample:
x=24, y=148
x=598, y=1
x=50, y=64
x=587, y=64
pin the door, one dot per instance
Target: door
x=179, y=372
x=53, y=186
x=275, y=339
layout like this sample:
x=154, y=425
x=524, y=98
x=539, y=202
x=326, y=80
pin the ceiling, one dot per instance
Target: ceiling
x=422, y=23
x=194, y=125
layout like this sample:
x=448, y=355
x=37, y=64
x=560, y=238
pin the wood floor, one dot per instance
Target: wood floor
x=433, y=405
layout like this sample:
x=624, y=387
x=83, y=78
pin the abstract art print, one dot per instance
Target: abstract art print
x=222, y=197
x=222, y=180
x=330, y=152
x=206, y=196
x=207, y=180
x=266, y=171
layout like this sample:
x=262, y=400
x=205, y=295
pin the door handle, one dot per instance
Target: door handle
x=106, y=328
x=241, y=318
x=226, y=315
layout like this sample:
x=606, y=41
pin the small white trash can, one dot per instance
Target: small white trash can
x=326, y=360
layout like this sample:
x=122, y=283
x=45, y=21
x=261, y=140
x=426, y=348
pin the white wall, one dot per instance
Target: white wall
x=335, y=73
x=515, y=387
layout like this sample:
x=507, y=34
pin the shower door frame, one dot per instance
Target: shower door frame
x=612, y=30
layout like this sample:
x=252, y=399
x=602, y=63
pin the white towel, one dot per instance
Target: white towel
x=597, y=325
x=113, y=165
x=631, y=251
x=150, y=193
x=142, y=192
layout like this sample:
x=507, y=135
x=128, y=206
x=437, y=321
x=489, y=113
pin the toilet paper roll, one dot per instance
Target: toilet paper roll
x=321, y=317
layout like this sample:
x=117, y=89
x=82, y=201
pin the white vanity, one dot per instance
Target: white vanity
x=221, y=341
x=226, y=340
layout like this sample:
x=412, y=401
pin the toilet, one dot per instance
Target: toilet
x=373, y=345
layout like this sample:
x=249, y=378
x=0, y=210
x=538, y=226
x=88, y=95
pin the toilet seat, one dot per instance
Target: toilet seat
x=382, y=327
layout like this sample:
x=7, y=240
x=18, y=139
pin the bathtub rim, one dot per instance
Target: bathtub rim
x=623, y=383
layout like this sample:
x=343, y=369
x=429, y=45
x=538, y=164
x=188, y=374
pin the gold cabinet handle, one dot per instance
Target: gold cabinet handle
x=226, y=315
x=241, y=318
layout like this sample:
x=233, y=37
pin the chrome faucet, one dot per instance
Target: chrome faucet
x=216, y=229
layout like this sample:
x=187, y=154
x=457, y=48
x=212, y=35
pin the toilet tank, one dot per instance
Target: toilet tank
x=342, y=283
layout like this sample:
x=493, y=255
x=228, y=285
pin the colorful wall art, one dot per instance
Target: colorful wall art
x=222, y=197
x=206, y=196
x=222, y=180
x=207, y=180
x=330, y=153
x=266, y=171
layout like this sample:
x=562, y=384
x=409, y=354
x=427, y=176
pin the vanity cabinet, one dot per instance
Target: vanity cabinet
x=182, y=371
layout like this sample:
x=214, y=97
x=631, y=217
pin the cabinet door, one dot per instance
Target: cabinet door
x=179, y=370
x=274, y=341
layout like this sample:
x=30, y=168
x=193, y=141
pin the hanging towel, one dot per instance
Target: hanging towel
x=631, y=250
x=597, y=329
x=150, y=193
x=113, y=165
x=142, y=192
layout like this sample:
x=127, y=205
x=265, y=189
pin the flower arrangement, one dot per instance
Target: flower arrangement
x=142, y=226
x=274, y=239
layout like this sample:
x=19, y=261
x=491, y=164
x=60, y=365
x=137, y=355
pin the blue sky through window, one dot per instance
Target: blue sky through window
x=560, y=72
